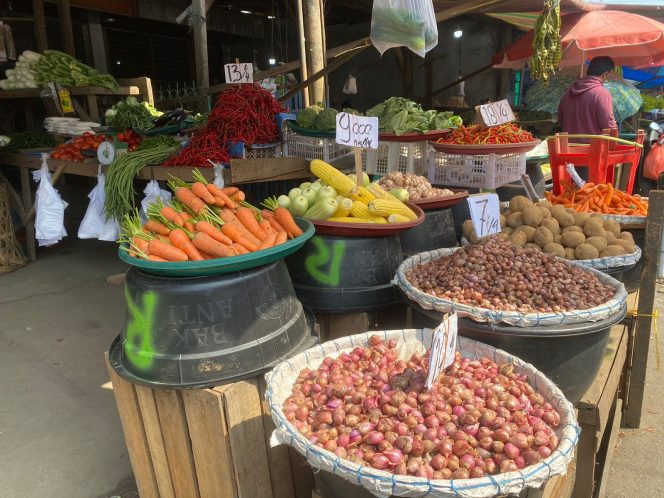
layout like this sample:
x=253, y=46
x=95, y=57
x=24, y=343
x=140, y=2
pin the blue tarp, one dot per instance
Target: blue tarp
x=645, y=78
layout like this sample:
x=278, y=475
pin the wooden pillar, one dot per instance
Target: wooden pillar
x=428, y=81
x=303, y=52
x=199, y=26
x=406, y=60
x=40, y=25
x=314, y=31
x=98, y=46
x=504, y=82
x=64, y=13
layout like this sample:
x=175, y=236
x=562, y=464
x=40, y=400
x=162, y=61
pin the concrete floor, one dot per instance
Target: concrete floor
x=60, y=435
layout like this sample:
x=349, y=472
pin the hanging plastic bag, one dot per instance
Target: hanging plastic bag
x=153, y=192
x=653, y=164
x=404, y=23
x=350, y=86
x=49, y=208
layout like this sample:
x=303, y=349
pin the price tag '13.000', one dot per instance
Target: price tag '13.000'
x=443, y=347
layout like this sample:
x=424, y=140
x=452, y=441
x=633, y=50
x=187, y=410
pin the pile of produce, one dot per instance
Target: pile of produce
x=496, y=275
x=73, y=151
x=205, y=222
x=416, y=186
x=650, y=102
x=130, y=113
x=559, y=231
x=393, y=25
x=399, y=115
x=336, y=197
x=508, y=133
x=371, y=407
x=547, y=47
x=317, y=117
x=58, y=67
x=243, y=113
x=602, y=198
x=23, y=75
x=28, y=140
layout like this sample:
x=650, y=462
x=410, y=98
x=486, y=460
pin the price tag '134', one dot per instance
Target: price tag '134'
x=357, y=131
x=443, y=347
x=239, y=73
x=485, y=213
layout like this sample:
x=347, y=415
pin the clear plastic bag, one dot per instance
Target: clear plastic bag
x=153, y=192
x=49, y=208
x=404, y=23
x=95, y=225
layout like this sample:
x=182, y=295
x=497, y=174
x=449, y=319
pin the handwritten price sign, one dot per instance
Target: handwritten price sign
x=239, y=73
x=485, y=213
x=495, y=113
x=443, y=347
x=357, y=131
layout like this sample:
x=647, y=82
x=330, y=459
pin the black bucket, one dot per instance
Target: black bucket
x=436, y=232
x=569, y=355
x=629, y=275
x=194, y=332
x=346, y=274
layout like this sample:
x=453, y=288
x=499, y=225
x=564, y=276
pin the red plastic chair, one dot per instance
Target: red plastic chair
x=600, y=157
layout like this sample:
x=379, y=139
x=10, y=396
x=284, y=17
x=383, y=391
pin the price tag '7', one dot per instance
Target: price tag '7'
x=485, y=213
x=357, y=131
x=443, y=347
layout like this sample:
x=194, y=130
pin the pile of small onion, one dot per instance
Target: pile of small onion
x=496, y=275
x=372, y=408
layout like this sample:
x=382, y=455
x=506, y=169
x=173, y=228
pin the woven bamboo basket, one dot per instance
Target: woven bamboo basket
x=11, y=256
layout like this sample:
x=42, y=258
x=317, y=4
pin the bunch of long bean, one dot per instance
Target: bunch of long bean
x=547, y=49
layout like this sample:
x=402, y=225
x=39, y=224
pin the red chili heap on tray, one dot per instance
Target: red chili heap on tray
x=508, y=133
x=243, y=113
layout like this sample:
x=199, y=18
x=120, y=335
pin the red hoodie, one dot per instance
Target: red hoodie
x=586, y=108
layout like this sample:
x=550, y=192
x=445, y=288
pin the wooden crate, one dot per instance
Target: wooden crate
x=206, y=443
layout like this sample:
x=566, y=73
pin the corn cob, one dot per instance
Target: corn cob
x=362, y=194
x=332, y=176
x=397, y=218
x=360, y=210
x=384, y=207
x=348, y=219
x=345, y=205
x=379, y=192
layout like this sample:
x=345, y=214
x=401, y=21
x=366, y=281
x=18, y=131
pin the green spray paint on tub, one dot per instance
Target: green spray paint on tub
x=315, y=262
x=138, y=347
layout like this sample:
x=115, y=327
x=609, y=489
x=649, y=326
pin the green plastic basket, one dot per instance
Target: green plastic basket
x=220, y=266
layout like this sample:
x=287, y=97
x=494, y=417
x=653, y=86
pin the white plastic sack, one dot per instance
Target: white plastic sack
x=153, y=192
x=350, y=86
x=404, y=23
x=94, y=224
x=49, y=208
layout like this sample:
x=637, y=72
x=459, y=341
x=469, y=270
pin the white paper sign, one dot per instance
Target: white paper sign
x=357, y=131
x=574, y=175
x=496, y=113
x=485, y=213
x=443, y=347
x=239, y=73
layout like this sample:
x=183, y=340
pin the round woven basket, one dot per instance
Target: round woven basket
x=11, y=256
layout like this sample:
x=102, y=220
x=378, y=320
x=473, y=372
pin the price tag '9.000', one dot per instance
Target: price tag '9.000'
x=357, y=131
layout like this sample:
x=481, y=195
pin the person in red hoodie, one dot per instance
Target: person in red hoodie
x=587, y=107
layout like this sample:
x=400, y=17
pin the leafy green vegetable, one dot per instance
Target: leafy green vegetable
x=399, y=115
x=62, y=68
x=326, y=120
x=130, y=113
x=306, y=118
x=28, y=140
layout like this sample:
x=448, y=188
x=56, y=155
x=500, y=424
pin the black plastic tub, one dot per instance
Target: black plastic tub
x=346, y=274
x=436, y=232
x=569, y=355
x=629, y=275
x=195, y=332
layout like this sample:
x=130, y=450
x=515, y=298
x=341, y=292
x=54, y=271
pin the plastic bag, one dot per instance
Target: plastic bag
x=49, y=208
x=94, y=224
x=350, y=86
x=404, y=23
x=653, y=164
x=153, y=192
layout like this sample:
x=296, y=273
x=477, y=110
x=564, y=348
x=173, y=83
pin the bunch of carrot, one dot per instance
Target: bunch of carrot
x=602, y=198
x=204, y=222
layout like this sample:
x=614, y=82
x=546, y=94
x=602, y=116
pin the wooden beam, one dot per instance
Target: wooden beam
x=316, y=54
x=303, y=51
x=40, y=25
x=64, y=13
x=644, y=322
x=268, y=170
x=466, y=7
x=455, y=83
x=199, y=26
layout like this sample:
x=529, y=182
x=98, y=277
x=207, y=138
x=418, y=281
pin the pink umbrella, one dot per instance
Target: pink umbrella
x=629, y=39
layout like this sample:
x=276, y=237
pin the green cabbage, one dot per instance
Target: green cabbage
x=326, y=120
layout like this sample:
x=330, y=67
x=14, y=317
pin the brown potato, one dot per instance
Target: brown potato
x=594, y=228
x=528, y=230
x=573, y=239
x=532, y=246
x=570, y=211
x=552, y=224
x=558, y=239
x=503, y=221
x=519, y=238
x=626, y=244
x=566, y=220
x=508, y=230
x=569, y=253
x=467, y=228
x=515, y=220
x=612, y=226
x=613, y=250
x=545, y=204
x=610, y=238
x=586, y=251
x=532, y=216
x=555, y=249
x=626, y=236
x=557, y=211
x=580, y=219
x=546, y=213
x=504, y=236
x=598, y=242
x=542, y=237
x=518, y=202
x=573, y=228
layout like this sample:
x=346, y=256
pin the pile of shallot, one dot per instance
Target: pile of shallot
x=498, y=276
x=368, y=406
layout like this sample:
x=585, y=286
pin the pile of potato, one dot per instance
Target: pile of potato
x=560, y=231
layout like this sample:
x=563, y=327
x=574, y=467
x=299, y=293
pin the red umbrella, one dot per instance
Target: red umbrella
x=629, y=39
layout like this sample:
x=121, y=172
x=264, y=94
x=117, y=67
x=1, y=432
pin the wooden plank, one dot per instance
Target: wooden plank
x=199, y=27
x=585, y=463
x=144, y=85
x=646, y=300
x=212, y=454
x=266, y=170
x=561, y=486
x=176, y=442
x=40, y=25
x=27, y=204
x=278, y=460
x=155, y=440
x=611, y=444
x=66, y=28
x=93, y=110
x=244, y=416
x=465, y=7
x=26, y=93
x=134, y=433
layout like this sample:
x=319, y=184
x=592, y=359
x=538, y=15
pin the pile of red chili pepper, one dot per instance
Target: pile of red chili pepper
x=243, y=113
x=508, y=133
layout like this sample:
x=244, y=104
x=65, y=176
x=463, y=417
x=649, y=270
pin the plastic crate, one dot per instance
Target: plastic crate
x=310, y=148
x=484, y=172
x=264, y=151
x=407, y=157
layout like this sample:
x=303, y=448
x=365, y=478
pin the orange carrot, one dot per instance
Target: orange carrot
x=207, y=244
x=189, y=199
x=206, y=255
x=154, y=257
x=248, y=219
x=240, y=249
x=166, y=251
x=281, y=238
x=156, y=227
x=268, y=241
x=267, y=227
x=140, y=243
x=188, y=225
x=172, y=215
x=230, y=190
x=236, y=235
x=180, y=240
x=266, y=213
x=276, y=226
x=209, y=229
x=230, y=219
x=217, y=192
x=199, y=190
x=238, y=196
x=286, y=220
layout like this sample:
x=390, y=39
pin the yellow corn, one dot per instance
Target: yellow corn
x=332, y=176
x=348, y=219
x=379, y=220
x=362, y=194
x=360, y=210
x=397, y=218
x=345, y=204
x=379, y=192
x=385, y=207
